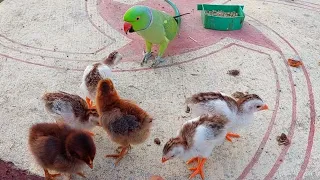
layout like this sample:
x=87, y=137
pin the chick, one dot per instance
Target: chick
x=71, y=109
x=58, y=147
x=196, y=140
x=239, y=112
x=124, y=121
x=94, y=73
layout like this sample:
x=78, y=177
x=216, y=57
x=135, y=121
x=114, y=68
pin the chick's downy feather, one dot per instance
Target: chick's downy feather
x=70, y=108
x=50, y=144
x=97, y=71
x=199, y=136
x=124, y=121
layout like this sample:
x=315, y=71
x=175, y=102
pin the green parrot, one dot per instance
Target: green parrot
x=156, y=27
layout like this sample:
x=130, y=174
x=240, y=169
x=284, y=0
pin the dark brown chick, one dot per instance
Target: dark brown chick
x=57, y=147
x=124, y=121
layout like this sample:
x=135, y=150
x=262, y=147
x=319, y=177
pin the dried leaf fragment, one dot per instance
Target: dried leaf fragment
x=283, y=140
x=294, y=63
x=157, y=141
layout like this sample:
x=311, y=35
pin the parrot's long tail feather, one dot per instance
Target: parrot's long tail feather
x=180, y=15
x=176, y=11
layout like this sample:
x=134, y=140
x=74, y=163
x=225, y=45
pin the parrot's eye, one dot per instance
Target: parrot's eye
x=138, y=18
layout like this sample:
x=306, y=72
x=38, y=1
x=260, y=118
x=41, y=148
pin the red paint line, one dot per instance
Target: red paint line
x=67, y=52
x=46, y=56
x=124, y=70
x=312, y=110
x=310, y=3
x=178, y=63
x=276, y=2
x=259, y=151
x=312, y=126
x=96, y=27
x=303, y=4
x=285, y=149
x=28, y=62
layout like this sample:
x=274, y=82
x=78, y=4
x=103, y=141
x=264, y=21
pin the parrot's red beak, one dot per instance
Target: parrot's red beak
x=126, y=27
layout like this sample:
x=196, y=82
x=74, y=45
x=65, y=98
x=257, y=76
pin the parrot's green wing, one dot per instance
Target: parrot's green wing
x=170, y=25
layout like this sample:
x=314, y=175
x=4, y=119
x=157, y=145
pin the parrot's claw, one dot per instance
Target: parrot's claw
x=158, y=61
x=146, y=57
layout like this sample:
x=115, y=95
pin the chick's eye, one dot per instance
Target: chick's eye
x=172, y=156
x=258, y=107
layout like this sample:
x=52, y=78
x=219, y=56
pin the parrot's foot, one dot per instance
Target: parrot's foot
x=146, y=57
x=158, y=61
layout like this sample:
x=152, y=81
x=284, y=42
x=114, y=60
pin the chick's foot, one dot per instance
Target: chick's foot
x=90, y=103
x=192, y=160
x=81, y=174
x=231, y=135
x=198, y=169
x=49, y=176
x=119, y=156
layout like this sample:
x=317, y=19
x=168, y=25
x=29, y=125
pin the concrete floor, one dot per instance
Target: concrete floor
x=45, y=45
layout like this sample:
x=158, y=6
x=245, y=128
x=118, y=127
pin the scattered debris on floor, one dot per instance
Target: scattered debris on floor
x=294, y=63
x=221, y=13
x=283, y=140
x=157, y=141
x=233, y=72
x=239, y=95
x=188, y=109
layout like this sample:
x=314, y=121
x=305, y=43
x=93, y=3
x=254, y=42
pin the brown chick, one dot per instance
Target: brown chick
x=124, y=121
x=58, y=147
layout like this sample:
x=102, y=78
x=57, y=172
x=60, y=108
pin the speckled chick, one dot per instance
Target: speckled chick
x=71, y=109
x=240, y=112
x=94, y=73
x=196, y=140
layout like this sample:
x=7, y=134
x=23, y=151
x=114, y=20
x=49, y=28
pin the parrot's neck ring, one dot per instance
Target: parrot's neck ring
x=151, y=20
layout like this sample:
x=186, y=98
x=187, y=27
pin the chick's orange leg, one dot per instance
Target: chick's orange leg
x=81, y=174
x=119, y=156
x=49, y=176
x=90, y=103
x=198, y=169
x=90, y=133
x=192, y=160
x=231, y=135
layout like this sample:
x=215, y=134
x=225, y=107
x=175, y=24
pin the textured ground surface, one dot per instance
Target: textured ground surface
x=45, y=45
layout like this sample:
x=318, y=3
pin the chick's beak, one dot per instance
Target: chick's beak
x=90, y=164
x=126, y=27
x=264, y=107
x=164, y=160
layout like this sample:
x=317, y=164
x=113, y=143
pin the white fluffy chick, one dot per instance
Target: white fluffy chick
x=239, y=112
x=196, y=140
x=96, y=72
